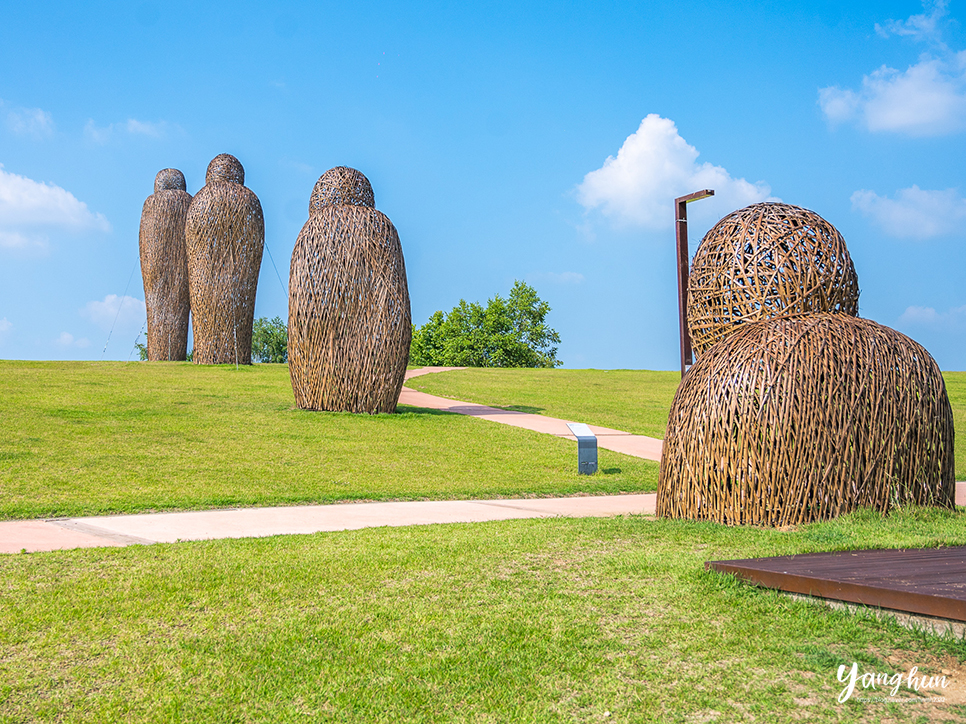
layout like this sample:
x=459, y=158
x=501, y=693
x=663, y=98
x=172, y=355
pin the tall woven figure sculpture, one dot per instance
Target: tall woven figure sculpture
x=225, y=234
x=349, y=323
x=765, y=260
x=164, y=266
x=807, y=417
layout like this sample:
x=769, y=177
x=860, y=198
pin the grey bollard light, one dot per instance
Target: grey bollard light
x=586, y=448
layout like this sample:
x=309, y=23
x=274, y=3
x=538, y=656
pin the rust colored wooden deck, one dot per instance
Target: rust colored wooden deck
x=929, y=581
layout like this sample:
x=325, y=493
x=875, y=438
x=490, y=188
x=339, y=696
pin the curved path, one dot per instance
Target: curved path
x=623, y=442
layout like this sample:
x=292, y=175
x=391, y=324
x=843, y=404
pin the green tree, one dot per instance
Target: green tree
x=269, y=340
x=507, y=332
x=427, y=344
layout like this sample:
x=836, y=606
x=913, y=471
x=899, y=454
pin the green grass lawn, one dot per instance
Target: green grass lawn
x=632, y=400
x=84, y=438
x=956, y=388
x=558, y=620
x=635, y=401
x=555, y=620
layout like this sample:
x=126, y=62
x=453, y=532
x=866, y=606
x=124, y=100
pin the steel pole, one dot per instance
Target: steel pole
x=681, y=229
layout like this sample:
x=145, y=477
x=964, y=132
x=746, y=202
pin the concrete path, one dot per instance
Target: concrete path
x=122, y=530
x=623, y=442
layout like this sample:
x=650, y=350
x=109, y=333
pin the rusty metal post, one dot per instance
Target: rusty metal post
x=681, y=226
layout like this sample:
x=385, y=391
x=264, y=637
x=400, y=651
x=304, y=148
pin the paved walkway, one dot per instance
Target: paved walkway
x=122, y=530
x=623, y=442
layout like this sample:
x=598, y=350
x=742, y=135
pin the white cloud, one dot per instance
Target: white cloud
x=927, y=99
x=5, y=326
x=914, y=213
x=953, y=320
x=25, y=202
x=28, y=208
x=18, y=240
x=30, y=122
x=838, y=105
x=66, y=339
x=918, y=27
x=653, y=166
x=126, y=311
x=102, y=134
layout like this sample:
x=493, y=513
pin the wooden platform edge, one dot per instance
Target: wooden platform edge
x=907, y=601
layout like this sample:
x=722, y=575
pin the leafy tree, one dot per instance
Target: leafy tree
x=270, y=340
x=427, y=346
x=507, y=332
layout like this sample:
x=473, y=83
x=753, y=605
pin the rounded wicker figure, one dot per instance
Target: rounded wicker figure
x=164, y=267
x=763, y=261
x=804, y=418
x=225, y=234
x=349, y=322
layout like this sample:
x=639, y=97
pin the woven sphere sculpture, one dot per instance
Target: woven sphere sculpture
x=804, y=418
x=164, y=266
x=225, y=236
x=763, y=261
x=349, y=321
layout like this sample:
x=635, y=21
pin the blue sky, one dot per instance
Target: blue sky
x=517, y=140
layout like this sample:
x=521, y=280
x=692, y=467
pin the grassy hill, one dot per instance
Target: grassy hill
x=633, y=400
x=86, y=438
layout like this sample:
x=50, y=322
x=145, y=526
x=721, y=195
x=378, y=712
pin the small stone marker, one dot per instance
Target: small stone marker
x=586, y=448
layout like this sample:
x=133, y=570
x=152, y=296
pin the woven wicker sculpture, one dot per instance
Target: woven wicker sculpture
x=349, y=324
x=225, y=234
x=164, y=268
x=766, y=260
x=804, y=418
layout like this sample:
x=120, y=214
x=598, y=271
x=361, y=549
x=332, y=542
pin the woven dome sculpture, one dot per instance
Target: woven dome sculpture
x=804, y=418
x=164, y=267
x=225, y=235
x=766, y=260
x=349, y=322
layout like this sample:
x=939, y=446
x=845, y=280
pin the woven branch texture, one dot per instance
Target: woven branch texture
x=164, y=266
x=805, y=418
x=763, y=261
x=225, y=235
x=349, y=323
